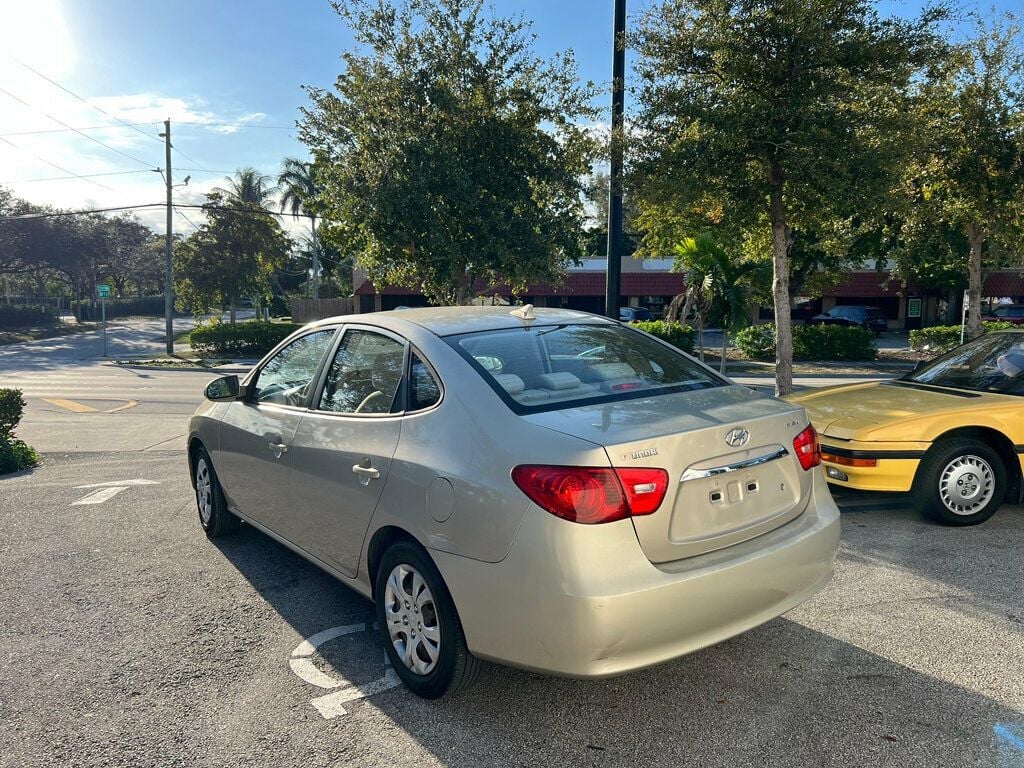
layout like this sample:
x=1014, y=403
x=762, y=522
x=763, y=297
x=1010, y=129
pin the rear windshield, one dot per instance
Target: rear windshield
x=551, y=367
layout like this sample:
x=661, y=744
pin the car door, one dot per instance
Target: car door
x=343, y=447
x=253, y=459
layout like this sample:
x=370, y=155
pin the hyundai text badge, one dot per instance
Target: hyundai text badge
x=737, y=437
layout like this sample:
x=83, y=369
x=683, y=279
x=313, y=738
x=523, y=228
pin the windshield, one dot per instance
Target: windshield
x=561, y=366
x=992, y=363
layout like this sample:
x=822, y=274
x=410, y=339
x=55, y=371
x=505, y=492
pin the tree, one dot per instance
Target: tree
x=248, y=187
x=449, y=154
x=969, y=183
x=789, y=112
x=299, y=192
x=718, y=284
x=233, y=255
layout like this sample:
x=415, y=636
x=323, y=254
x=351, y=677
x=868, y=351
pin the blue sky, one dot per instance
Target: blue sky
x=205, y=62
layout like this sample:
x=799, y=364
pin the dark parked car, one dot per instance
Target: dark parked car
x=1006, y=313
x=865, y=317
x=630, y=314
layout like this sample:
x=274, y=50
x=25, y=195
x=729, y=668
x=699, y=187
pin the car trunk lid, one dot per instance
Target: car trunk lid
x=719, y=493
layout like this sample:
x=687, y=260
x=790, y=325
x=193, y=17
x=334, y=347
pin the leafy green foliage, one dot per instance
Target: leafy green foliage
x=253, y=337
x=449, y=155
x=235, y=253
x=942, y=338
x=678, y=335
x=14, y=453
x=785, y=115
x=810, y=342
x=723, y=284
x=21, y=316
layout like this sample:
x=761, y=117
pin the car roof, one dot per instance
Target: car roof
x=448, y=321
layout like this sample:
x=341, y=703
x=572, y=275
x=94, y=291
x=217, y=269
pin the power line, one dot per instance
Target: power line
x=191, y=160
x=235, y=125
x=76, y=130
x=65, y=130
x=58, y=167
x=204, y=170
x=84, y=101
x=75, y=176
x=186, y=218
x=59, y=214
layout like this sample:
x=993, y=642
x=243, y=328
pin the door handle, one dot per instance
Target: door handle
x=366, y=472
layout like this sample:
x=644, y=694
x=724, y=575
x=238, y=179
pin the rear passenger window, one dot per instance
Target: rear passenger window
x=425, y=391
x=366, y=374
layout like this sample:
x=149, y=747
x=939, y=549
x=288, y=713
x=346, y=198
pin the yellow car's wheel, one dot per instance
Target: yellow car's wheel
x=960, y=482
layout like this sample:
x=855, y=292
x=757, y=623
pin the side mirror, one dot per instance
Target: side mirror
x=224, y=388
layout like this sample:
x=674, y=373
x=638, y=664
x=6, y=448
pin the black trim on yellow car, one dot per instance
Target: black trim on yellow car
x=851, y=454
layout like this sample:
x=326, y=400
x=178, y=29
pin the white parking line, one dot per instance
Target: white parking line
x=107, y=491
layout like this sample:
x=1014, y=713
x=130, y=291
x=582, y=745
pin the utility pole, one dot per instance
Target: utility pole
x=168, y=249
x=613, y=283
x=316, y=259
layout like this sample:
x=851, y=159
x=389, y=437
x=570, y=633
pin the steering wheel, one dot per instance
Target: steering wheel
x=367, y=400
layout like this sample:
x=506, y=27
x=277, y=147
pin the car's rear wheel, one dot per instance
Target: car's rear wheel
x=214, y=516
x=421, y=630
x=961, y=482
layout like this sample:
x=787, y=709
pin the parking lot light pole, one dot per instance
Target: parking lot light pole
x=168, y=246
x=614, y=270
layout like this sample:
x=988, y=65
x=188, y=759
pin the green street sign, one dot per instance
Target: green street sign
x=103, y=291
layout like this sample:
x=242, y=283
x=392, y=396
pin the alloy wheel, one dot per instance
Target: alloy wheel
x=966, y=485
x=412, y=619
x=204, y=491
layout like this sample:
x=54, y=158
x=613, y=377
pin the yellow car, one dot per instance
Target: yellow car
x=952, y=432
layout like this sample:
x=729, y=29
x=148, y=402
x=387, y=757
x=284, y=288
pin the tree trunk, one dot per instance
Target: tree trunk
x=316, y=258
x=672, y=313
x=975, y=328
x=725, y=346
x=231, y=312
x=780, y=287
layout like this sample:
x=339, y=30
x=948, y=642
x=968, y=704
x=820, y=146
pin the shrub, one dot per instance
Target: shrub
x=14, y=454
x=253, y=337
x=810, y=342
x=21, y=316
x=942, y=338
x=676, y=334
x=147, y=306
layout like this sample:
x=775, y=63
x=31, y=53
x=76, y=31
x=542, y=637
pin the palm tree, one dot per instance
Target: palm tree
x=717, y=284
x=249, y=187
x=298, y=190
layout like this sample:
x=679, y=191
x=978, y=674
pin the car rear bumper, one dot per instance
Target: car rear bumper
x=584, y=601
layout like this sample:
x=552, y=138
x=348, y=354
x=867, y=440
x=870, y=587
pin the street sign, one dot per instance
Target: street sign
x=103, y=291
x=913, y=307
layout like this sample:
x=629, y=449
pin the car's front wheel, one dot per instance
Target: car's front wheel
x=961, y=482
x=419, y=625
x=214, y=516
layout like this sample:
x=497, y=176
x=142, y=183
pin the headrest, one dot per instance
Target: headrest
x=560, y=380
x=609, y=371
x=510, y=383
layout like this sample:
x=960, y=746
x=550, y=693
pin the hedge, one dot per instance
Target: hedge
x=676, y=334
x=14, y=453
x=252, y=337
x=942, y=338
x=810, y=342
x=23, y=315
x=147, y=306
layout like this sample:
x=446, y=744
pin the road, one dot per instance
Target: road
x=129, y=639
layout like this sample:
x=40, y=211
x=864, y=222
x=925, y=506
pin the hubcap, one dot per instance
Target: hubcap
x=966, y=485
x=412, y=619
x=204, y=495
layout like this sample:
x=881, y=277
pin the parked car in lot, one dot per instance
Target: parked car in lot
x=870, y=318
x=952, y=431
x=1006, y=313
x=631, y=314
x=547, y=489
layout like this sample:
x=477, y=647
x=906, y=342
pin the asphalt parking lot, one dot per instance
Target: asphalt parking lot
x=129, y=639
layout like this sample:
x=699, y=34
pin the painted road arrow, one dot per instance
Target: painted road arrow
x=107, y=491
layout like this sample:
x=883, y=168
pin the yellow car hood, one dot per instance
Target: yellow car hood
x=845, y=410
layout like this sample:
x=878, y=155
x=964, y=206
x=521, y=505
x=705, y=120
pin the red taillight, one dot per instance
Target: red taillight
x=592, y=495
x=807, y=447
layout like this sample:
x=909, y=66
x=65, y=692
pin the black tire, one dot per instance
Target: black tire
x=455, y=668
x=974, y=455
x=217, y=520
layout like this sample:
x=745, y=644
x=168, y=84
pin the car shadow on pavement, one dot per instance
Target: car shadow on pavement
x=780, y=695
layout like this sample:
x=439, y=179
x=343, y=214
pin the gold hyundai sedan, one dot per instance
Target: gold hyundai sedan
x=546, y=489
